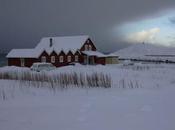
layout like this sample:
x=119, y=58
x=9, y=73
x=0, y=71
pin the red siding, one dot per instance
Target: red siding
x=14, y=62
x=17, y=62
x=100, y=61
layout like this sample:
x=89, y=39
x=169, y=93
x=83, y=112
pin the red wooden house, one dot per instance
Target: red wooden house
x=60, y=51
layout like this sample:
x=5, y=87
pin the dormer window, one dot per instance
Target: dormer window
x=90, y=47
x=61, y=59
x=76, y=58
x=52, y=59
x=68, y=58
x=86, y=47
x=43, y=59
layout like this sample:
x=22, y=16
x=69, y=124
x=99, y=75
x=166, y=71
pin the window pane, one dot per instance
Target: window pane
x=90, y=47
x=69, y=58
x=76, y=58
x=86, y=47
x=61, y=59
x=43, y=59
x=53, y=59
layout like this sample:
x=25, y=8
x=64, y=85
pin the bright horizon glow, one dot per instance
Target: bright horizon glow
x=159, y=30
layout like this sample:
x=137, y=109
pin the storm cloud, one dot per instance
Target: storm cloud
x=24, y=22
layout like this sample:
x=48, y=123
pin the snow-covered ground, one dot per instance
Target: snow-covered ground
x=141, y=98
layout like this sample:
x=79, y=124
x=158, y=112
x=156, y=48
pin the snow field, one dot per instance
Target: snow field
x=139, y=99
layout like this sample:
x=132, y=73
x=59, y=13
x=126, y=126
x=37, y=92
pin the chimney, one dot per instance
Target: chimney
x=51, y=42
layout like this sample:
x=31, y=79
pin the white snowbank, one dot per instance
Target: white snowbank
x=149, y=107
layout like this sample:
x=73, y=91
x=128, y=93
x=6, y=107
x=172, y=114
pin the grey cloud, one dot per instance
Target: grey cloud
x=24, y=22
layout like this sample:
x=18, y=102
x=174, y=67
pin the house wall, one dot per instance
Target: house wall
x=111, y=60
x=100, y=60
x=17, y=62
x=14, y=62
x=29, y=61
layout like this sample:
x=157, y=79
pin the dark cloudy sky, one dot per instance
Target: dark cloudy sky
x=24, y=22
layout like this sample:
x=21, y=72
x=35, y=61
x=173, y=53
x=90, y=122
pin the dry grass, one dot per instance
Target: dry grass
x=59, y=80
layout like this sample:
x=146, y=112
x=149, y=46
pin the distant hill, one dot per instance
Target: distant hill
x=142, y=50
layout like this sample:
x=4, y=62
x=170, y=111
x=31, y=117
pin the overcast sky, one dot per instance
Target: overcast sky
x=112, y=24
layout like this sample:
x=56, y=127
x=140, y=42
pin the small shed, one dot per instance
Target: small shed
x=111, y=59
x=94, y=57
x=100, y=58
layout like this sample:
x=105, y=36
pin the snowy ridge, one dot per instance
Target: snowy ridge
x=147, y=51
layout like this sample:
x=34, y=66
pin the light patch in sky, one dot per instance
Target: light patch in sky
x=143, y=36
x=159, y=30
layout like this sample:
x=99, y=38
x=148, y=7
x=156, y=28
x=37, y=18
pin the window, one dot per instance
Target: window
x=52, y=59
x=43, y=59
x=86, y=47
x=22, y=62
x=87, y=41
x=90, y=47
x=68, y=58
x=61, y=59
x=76, y=58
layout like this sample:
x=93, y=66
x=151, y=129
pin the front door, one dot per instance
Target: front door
x=85, y=60
x=22, y=62
x=91, y=60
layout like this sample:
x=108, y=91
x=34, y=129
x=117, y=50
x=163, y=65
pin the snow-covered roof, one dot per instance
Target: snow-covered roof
x=93, y=53
x=24, y=53
x=66, y=44
x=98, y=54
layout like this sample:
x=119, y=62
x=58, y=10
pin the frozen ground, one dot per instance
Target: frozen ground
x=141, y=98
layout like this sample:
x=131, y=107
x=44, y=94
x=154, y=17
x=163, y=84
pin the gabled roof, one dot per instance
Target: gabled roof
x=66, y=44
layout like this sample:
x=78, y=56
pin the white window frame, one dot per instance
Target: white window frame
x=22, y=60
x=76, y=58
x=43, y=59
x=61, y=59
x=69, y=58
x=52, y=59
x=86, y=47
